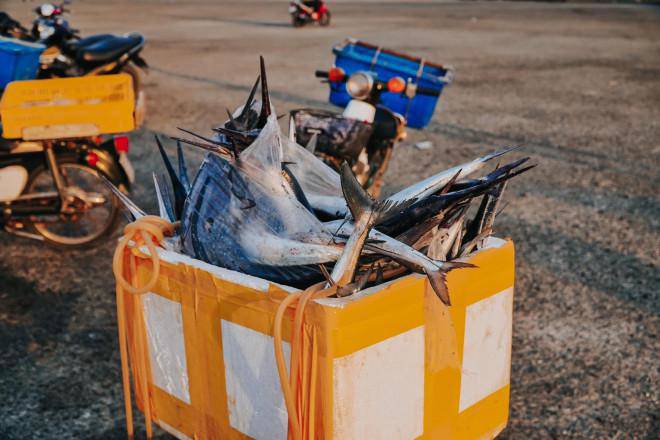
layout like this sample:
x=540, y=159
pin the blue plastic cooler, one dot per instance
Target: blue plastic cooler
x=353, y=56
x=18, y=60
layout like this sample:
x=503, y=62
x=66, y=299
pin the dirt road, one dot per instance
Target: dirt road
x=577, y=85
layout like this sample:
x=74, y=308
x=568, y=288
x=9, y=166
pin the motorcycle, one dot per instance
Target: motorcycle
x=12, y=28
x=365, y=134
x=68, y=55
x=53, y=190
x=304, y=12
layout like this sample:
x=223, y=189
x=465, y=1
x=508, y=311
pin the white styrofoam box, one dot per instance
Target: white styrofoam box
x=379, y=390
x=167, y=352
x=487, y=348
x=254, y=396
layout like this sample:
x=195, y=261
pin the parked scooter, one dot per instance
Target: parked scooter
x=68, y=55
x=365, y=133
x=304, y=12
x=53, y=191
x=12, y=28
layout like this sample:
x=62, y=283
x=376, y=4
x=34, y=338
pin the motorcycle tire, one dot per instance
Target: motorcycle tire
x=325, y=19
x=297, y=22
x=93, y=229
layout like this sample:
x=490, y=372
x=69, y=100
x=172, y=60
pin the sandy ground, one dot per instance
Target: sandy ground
x=577, y=85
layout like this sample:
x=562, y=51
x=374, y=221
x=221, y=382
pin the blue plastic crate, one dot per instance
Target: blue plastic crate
x=353, y=56
x=19, y=60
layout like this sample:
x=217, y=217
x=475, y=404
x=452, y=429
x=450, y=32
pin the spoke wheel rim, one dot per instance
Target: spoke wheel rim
x=92, y=223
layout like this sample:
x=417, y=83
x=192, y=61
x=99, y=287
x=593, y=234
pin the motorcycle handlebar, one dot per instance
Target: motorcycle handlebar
x=418, y=91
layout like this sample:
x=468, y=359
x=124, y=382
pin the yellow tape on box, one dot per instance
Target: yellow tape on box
x=389, y=362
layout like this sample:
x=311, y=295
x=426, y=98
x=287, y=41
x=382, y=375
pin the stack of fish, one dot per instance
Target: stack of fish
x=262, y=205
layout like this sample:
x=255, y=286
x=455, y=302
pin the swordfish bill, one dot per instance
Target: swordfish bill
x=135, y=211
x=434, y=183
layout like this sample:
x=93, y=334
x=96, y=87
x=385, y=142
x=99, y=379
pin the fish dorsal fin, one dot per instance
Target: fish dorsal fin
x=179, y=191
x=183, y=169
x=265, y=96
x=295, y=186
x=445, y=189
x=221, y=150
x=358, y=200
x=234, y=136
x=199, y=136
x=387, y=209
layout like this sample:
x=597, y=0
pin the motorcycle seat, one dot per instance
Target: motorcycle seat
x=77, y=45
x=109, y=49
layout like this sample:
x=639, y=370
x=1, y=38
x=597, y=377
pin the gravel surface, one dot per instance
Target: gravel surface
x=577, y=85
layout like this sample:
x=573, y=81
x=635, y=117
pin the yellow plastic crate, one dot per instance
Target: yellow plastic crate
x=68, y=107
x=391, y=361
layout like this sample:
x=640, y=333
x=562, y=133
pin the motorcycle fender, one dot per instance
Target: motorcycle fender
x=139, y=61
x=12, y=182
x=109, y=166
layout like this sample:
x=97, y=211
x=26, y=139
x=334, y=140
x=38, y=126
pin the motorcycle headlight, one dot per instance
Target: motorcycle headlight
x=359, y=85
x=45, y=31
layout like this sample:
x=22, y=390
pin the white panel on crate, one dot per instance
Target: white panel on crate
x=487, y=348
x=167, y=351
x=254, y=397
x=379, y=390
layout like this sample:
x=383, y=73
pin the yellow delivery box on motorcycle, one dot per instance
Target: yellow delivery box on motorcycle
x=68, y=107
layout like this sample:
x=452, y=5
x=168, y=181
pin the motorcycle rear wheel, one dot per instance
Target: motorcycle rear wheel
x=93, y=224
x=297, y=22
x=325, y=19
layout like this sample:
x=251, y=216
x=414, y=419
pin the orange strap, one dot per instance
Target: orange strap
x=145, y=230
x=148, y=230
x=298, y=387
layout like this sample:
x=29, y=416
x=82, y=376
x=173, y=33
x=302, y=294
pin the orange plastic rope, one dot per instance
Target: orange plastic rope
x=298, y=386
x=148, y=230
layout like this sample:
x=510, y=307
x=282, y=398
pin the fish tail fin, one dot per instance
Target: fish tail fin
x=357, y=198
x=183, y=169
x=437, y=277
